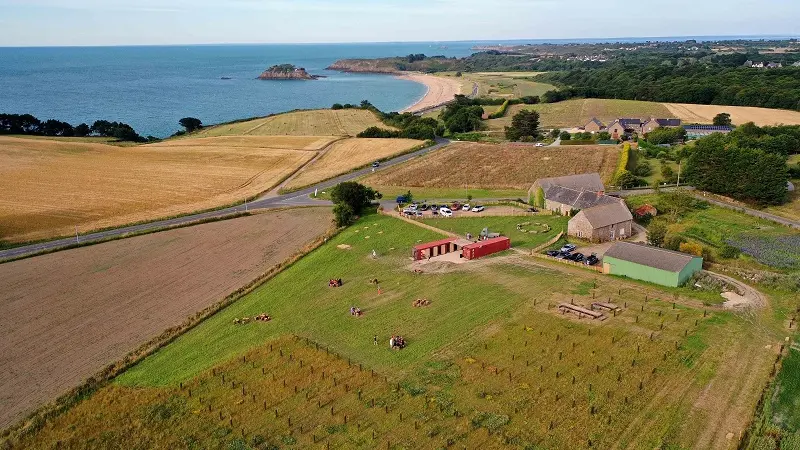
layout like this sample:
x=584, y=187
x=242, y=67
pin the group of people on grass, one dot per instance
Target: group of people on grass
x=397, y=342
x=355, y=311
x=335, y=282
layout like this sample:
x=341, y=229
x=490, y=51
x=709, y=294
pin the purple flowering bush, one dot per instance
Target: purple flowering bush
x=776, y=251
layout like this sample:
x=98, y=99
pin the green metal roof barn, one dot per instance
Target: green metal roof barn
x=652, y=264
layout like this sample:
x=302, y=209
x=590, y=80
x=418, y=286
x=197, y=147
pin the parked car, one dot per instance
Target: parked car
x=418, y=214
x=455, y=206
x=577, y=257
x=413, y=206
x=434, y=207
x=532, y=209
x=445, y=212
x=591, y=260
x=402, y=199
x=562, y=255
x=376, y=164
x=478, y=209
x=466, y=207
x=424, y=207
x=553, y=253
x=540, y=144
x=408, y=211
x=568, y=248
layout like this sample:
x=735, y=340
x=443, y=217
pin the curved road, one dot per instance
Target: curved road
x=297, y=198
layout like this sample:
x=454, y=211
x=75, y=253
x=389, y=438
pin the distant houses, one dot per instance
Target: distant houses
x=765, y=65
x=629, y=126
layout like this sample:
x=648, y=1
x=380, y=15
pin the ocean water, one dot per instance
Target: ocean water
x=152, y=87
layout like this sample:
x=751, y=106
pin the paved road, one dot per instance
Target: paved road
x=297, y=198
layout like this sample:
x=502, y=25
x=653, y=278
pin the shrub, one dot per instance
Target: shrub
x=729, y=252
x=500, y=112
x=674, y=241
x=656, y=233
x=565, y=136
x=337, y=106
x=622, y=165
x=376, y=132
x=691, y=248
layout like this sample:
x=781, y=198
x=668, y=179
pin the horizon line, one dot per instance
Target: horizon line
x=733, y=37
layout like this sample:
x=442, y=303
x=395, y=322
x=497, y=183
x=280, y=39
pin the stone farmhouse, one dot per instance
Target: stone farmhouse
x=602, y=223
x=628, y=126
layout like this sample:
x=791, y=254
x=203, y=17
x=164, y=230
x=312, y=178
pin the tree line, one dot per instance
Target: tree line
x=693, y=83
x=28, y=124
x=746, y=164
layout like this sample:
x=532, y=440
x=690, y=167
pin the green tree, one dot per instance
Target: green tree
x=555, y=133
x=191, y=124
x=722, y=120
x=524, y=123
x=656, y=233
x=82, y=130
x=350, y=199
x=565, y=136
x=343, y=214
x=603, y=136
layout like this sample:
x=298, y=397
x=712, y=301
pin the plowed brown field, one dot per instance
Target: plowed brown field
x=504, y=166
x=66, y=315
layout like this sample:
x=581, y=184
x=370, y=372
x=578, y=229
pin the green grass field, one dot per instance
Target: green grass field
x=548, y=227
x=490, y=363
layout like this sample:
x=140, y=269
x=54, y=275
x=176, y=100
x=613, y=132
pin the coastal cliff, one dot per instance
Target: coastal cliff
x=380, y=65
x=286, y=72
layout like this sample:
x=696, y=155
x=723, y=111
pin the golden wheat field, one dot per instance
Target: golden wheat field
x=314, y=143
x=50, y=187
x=347, y=155
x=322, y=122
x=739, y=114
x=497, y=166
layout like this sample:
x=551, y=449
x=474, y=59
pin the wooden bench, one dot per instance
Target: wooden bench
x=580, y=311
x=606, y=306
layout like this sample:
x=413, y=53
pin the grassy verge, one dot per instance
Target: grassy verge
x=534, y=231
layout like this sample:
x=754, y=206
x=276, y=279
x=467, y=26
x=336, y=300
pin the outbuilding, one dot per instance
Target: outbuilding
x=486, y=247
x=652, y=264
x=435, y=248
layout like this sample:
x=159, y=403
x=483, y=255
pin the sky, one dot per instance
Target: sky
x=157, y=22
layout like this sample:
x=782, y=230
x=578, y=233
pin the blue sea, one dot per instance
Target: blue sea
x=152, y=87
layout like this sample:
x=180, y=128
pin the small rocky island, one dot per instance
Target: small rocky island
x=287, y=72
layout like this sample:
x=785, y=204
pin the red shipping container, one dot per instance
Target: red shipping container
x=435, y=248
x=487, y=247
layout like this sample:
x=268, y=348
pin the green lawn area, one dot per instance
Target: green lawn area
x=301, y=302
x=504, y=84
x=507, y=226
x=786, y=406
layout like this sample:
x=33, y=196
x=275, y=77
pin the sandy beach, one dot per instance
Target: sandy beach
x=439, y=90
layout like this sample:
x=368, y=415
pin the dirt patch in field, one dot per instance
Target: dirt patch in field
x=67, y=315
x=492, y=166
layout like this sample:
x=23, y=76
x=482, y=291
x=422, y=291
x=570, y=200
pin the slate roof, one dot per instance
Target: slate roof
x=650, y=256
x=630, y=123
x=577, y=199
x=604, y=215
x=597, y=121
x=584, y=181
x=669, y=122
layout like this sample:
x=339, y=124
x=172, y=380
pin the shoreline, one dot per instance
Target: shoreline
x=438, y=90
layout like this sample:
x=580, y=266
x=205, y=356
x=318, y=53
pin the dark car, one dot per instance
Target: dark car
x=553, y=253
x=434, y=207
x=577, y=257
x=376, y=164
x=424, y=207
x=533, y=210
x=591, y=260
x=562, y=255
